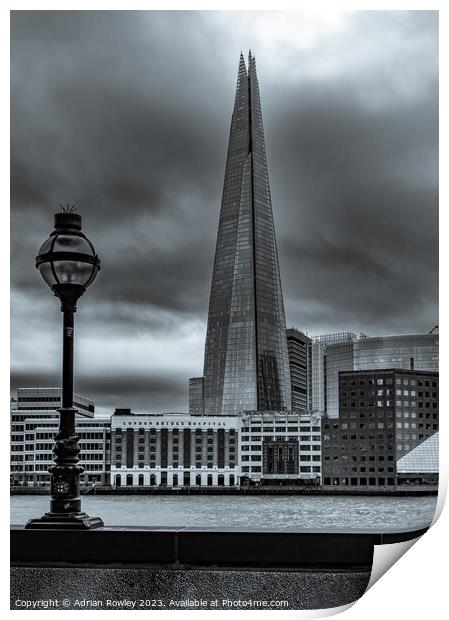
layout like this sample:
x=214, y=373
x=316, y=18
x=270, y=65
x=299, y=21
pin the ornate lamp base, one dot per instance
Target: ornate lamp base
x=68, y=521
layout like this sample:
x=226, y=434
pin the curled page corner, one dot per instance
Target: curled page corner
x=385, y=556
x=442, y=492
x=331, y=611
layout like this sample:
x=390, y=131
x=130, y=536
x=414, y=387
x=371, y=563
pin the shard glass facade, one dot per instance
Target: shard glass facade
x=246, y=364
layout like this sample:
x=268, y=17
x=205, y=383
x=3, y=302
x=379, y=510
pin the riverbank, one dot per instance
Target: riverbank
x=278, y=490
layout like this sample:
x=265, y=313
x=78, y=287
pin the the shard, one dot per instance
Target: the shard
x=246, y=364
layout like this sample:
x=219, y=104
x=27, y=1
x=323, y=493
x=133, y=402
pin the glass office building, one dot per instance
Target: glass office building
x=196, y=396
x=300, y=357
x=320, y=376
x=410, y=352
x=414, y=352
x=338, y=357
x=246, y=364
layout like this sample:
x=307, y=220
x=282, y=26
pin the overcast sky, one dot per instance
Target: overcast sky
x=127, y=115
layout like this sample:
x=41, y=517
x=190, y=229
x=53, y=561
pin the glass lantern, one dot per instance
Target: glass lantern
x=67, y=260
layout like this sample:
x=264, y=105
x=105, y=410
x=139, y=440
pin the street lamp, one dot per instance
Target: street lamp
x=68, y=264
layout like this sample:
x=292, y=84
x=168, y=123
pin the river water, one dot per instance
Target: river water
x=260, y=512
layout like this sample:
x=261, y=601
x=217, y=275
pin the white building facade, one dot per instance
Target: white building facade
x=34, y=423
x=173, y=450
x=177, y=449
x=278, y=448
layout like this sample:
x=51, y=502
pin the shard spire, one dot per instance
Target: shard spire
x=246, y=358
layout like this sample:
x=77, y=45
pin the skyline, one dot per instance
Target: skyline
x=369, y=210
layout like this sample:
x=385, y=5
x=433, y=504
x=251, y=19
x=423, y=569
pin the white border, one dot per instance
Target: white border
x=415, y=585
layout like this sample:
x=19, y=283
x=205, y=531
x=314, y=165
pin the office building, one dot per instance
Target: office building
x=415, y=352
x=34, y=423
x=246, y=358
x=319, y=365
x=383, y=415
x=196, y=396
x=337, y=357
x=300, y=359
x=30, y=460
x=49, y=399
x=280, y=449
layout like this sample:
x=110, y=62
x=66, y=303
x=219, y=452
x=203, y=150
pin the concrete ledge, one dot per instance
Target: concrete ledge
x=154, y=589
x=185, y=547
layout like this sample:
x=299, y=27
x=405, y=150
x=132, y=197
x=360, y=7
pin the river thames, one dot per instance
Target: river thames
x=261, y=512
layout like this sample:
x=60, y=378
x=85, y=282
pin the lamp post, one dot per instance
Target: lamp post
x=68, y=264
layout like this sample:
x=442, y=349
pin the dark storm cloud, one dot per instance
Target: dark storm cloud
x=135, y=393
x=366, y=210
x=127, y=115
